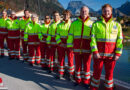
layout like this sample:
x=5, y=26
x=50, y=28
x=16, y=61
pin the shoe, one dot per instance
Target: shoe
x=71, y=78
x=11, y=58
x=49, y=71
x=17, y=58
x=1, y=56
x=37, y=63
x=59, y=77
x=76, y=84
x=44, y=68
x=86, y=86
x=31, y=64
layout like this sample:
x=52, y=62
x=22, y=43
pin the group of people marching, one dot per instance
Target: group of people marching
x=79, y=39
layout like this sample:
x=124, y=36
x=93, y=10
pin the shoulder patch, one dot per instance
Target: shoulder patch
x=115, y=27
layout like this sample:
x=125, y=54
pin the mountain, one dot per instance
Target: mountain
x=74, y=7
x=40, y=7
x=125, y=8
x=115, y=12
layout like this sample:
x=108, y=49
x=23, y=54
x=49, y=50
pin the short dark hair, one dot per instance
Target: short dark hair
x=67, y=11
x=26, y=10
x=106, y=5
x=55, y=12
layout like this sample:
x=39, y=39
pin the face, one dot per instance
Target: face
x=47, y=19
x=66, y=16
x=13, y=15
x=26, y=13
x=84, y=13
x=56, y=16
x=34, y=19
x=4, y=14
x=107, y=12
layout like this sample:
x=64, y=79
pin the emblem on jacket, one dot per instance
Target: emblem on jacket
x=115, y=27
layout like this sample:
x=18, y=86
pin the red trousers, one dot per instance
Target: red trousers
x=45, y=58
x=3, y=37
x=34, y=54
x=82, y=61
x=14, y=46
x=25, y=54
x=61, y=60
x=52, y=56
x=109, y=65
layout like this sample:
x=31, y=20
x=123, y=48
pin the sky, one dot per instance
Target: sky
x=96, y=4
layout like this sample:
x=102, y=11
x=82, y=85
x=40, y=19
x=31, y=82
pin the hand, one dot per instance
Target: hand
x=96, y=56
x=116, y=57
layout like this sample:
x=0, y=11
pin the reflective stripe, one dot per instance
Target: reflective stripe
x=71, y=67
x=77, y=72
x=70, y=34
x=119, y=49
x=42, y=41
x=107, y=54
x=77, y=36
x=94, y=47
x=57, y=34
x=87, y=77
x=3, y=32
x=32, y=33
x=10, y=37
x=63, y=36
x=95, y=80
x=52, y=35
x=13, y=29
x=92, y=35
x=2, y=27
x=77, y=50
x=95, y=85
x=57, y=40
x=31, y=43
x=79, y=77
x=62, y=70
x=86, y=37
x=120, y=37
x=87, y=73
x=71, y=70
x=1, y=84
x=22, y=29
x=69, y=44
x=37, y=59
x=61, y=66
x=106, y=40
x=86, y=51
x=42, y=59
x=108, y=81
x=53, y=42
x=108, y=86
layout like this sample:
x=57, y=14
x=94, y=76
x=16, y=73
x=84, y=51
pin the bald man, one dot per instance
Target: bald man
x=79, y=41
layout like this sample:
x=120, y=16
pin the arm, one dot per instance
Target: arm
x=58, y=40
x=48, y=39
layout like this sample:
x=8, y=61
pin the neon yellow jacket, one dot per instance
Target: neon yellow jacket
x=24, y=22
x=52, y=33
x=13, y=27
x=79, y=36
x=31, y=31
x=62, y=31
x=43, y=33
x=3, y=29
x=107, y=38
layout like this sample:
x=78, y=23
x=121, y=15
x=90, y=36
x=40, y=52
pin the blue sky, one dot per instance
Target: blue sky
x=96, y=4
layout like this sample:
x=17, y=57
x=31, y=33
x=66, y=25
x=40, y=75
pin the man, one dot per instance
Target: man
x=13, y=27
x=79, y=40
x=3, y=32
x=61, y=38
x=31, y=38
x=51, y=38
x=106, y=45
x=24, y=21
x=43, y=33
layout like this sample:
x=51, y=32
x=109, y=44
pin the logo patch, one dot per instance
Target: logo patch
x=16, y=22
x=115, y=27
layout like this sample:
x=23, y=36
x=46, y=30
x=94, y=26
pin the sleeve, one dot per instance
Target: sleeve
x=93, y=43
x=70, y=36
x=48, y=39
x=40, y=32
x=119, y=42
x=58, y=40
x=26, y=34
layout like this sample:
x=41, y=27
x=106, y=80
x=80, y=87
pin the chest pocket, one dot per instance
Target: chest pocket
x=114, y=30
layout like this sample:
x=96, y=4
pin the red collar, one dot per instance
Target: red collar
x=107, y=19
x=13, y=18
x=48, y=22
x=85, y=19
x=25, y=18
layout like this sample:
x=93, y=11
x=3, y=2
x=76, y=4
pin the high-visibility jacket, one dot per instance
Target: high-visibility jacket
x=62, y=32
x=3, y=29
x=106, y=38
x=79, y=35
x=13, y=27
x=31, y=33
x=43, y=33
x=52, y=33
x=23, y=22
